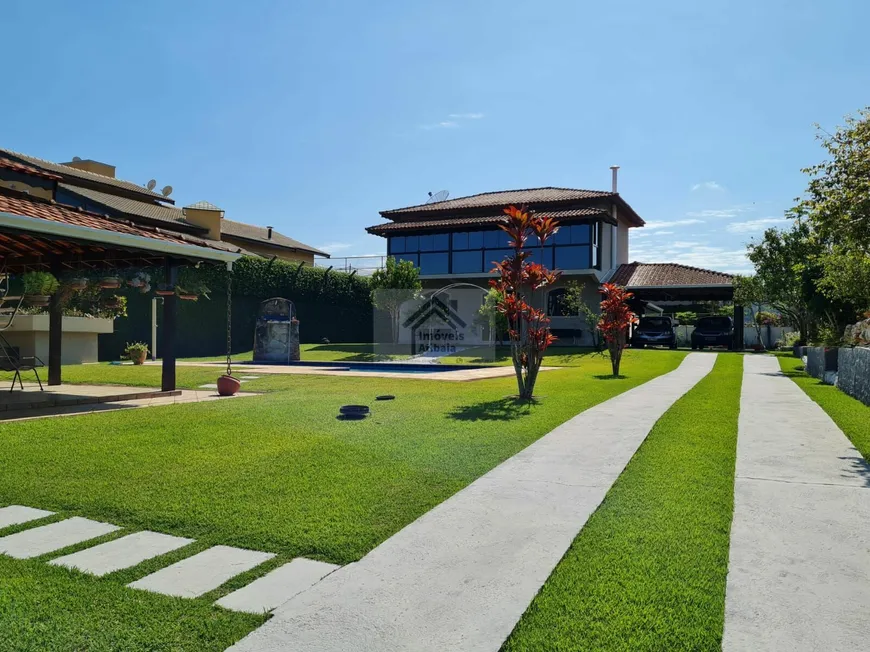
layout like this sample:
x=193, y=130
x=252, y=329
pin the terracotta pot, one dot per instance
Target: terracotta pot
x=78, y=284
x=138, y=357
x=228, y=385
x=110, y=283
x=164, y=293
x=188, y=297
x=37, y=300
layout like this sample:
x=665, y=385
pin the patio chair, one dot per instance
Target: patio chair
x=10, y=360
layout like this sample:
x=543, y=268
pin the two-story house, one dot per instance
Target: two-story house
x=458, y=240
x=93, y=186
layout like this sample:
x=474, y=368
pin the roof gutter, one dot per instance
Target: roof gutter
x=102, y=236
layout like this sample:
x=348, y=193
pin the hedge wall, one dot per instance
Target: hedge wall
x=333, y=305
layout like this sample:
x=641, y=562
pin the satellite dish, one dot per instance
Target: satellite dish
x=441, y=195
x=76, y=159
x=167, y=190
x=151, y=184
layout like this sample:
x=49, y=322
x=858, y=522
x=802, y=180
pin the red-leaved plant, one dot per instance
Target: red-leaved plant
x=616, y=318
x=528, y=327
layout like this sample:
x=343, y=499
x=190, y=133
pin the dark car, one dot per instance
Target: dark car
x=713, y=331
x=654, y=331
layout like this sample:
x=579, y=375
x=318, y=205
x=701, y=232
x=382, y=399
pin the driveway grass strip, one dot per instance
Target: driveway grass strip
x=850, y=414
x=648, y=571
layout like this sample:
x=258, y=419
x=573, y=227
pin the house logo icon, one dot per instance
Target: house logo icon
x=435, y=327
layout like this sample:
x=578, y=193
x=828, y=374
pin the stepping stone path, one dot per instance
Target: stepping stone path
x=121, y=553
x=17, y=514
x=48, y=538
x=194, y=576
x=276, y=587
x=188, y=578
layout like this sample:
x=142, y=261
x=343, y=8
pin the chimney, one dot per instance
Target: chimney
x=615, y=170
x=268, y=232
x=88, y=165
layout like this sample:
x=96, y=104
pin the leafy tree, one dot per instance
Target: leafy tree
x=573, y=302
x=616, y=318
x=528, y=327
x=686, y=318
x=837, y=207
x=779, y=259
x=489, y=315
x=393, y=285
x=749, y=292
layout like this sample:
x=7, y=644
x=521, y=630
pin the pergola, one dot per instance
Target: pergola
x=38, y=233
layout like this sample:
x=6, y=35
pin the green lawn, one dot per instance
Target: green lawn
x=648, y=570
x=276, y=472
x=850, y=414
x=330, y=353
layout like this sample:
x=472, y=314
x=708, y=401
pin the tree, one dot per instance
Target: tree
x=837, y=208
x=528, y=328
x=489, y=315
x=749, y=292
x=779, y=260
x=573, y=302
x=616, y=318
x=393, y=285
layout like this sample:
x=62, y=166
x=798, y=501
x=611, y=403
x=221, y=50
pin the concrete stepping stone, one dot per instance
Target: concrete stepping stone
x=17, y=514
x=248, y=377
x=48, y=538
x=278, y=586
x=121, y=553
x=201, y=573
x=208, y=386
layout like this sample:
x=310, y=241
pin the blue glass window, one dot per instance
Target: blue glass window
x=574, y=257
x=495, y=239
x=580, y=234
x=460, y=241
x=414, y=258
x=546, y=259
x=412, y=243
x=467, y=262
x=433, y=263
x=397, y=244
x=492, y=256
x=475, y=240
x=442, y=241
x=427, y=242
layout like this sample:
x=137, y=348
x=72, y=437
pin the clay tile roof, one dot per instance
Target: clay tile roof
x=31, y=207
x=504, y=198
x=260, y=235
x=449, y=223
x=27, y=169
x=147, y=209
x=636, y=275
x=71, y=173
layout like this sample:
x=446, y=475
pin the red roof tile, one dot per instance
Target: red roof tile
x=30, y=207
x=504, y=198
x=393, y=227
x=636, y=275
x=27, y=169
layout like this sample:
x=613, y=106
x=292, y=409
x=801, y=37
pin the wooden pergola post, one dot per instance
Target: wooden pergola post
x=738, y=327
x=167, y=341
x=55, y=331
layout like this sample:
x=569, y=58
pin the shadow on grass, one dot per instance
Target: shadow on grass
x=505, y=409
x=609, y=377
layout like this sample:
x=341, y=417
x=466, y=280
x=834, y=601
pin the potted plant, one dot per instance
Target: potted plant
x=111, y=282
x=164, y=290
x=38, y=287
x=78, y=283
x=137, y=352
x=228, y=385
x=186, y=295
x=112, y=302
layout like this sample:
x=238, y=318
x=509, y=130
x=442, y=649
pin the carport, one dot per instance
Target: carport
x=652, y=283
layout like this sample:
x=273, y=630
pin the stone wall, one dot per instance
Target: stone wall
x=854, y=373
x=821, y=360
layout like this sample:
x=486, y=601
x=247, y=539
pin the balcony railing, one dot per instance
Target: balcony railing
x=362, y=265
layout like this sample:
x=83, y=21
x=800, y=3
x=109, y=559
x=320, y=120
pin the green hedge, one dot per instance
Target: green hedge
x=331, y=305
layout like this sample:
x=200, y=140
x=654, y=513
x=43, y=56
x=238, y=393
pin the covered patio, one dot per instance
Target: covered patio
x=37, y=233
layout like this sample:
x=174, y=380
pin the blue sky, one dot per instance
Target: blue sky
x=313, y=115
